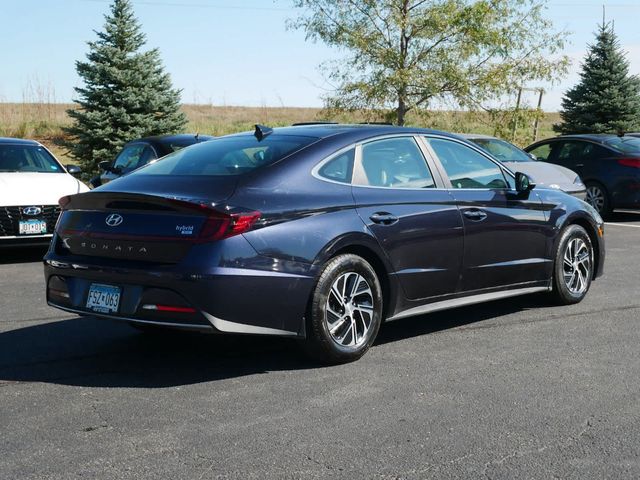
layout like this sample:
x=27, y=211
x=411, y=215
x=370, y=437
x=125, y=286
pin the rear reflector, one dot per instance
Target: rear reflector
x=169, y=308
x=630, y=162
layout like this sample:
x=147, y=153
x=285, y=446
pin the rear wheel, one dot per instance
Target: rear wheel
x=573, y=267
x=345, y=312
x=598, y=198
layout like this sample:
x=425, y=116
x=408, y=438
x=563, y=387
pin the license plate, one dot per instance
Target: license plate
x=32, y=227
x=103, y=298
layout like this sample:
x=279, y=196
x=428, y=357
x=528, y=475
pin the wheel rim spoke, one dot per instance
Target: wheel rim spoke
x=576, y=265
x=349, y=310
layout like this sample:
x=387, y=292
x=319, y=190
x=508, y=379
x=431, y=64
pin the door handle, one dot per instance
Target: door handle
x=383, y=218
x=475, y=214
x=579, y=164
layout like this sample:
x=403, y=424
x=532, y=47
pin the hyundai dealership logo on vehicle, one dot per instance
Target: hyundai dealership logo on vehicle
x=114, y=220
x=32, y=211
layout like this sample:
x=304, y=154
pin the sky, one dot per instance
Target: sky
x=232, y=52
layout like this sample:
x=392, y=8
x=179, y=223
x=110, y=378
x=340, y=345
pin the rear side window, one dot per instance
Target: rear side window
x=340, y=168
x=465, y=167
x=395, y=163
x=227, y=156
x=134, y=156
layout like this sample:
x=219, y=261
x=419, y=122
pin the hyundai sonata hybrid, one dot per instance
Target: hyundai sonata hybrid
x=31, y=182
x=318, y=233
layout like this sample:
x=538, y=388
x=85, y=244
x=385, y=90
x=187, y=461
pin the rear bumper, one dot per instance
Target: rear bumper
x=579, y=194
x=223, y=299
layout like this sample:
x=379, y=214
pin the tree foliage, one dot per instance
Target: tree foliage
x=607, y=98
x=402, y=55
x=126, y=93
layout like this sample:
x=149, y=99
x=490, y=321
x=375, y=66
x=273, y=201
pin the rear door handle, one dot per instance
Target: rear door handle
x=475, y=214
x=383, y=218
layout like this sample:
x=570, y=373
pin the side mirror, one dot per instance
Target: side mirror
x=105, y=165
x=533, y=157
x=524, y=182
x=73, y=170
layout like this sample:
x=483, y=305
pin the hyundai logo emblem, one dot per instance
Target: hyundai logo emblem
x=114, y=220
x=32, y=211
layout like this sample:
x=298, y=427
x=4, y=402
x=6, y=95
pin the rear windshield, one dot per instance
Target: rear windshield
x=226, y=156
x=27, y=158
x=624, y=144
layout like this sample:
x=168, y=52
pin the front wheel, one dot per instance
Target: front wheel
x=573, y=267
x=345, y=311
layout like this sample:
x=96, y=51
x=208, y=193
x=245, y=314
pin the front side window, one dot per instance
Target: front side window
x=27, y=158
x=395, y=163
x=340, y=168
x=465, y=167
x=541, y=152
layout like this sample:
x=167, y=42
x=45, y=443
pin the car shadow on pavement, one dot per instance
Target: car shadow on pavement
x=22, y=254
x=100, y=353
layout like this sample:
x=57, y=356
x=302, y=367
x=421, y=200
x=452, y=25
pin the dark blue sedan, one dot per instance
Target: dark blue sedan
x=319, y=233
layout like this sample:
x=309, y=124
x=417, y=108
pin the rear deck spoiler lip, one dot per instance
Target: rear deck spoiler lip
x=100, y=201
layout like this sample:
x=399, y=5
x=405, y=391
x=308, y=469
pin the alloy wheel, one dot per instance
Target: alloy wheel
x=595, y=197
x=349, y=310
x=577, y=266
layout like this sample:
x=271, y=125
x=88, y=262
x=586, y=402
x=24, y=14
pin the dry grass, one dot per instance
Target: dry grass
x=44, y=121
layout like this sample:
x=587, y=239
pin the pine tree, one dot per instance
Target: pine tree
x=607, y=99
x=126, y=93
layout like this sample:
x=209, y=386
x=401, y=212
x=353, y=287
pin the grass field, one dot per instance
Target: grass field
x=44, y=121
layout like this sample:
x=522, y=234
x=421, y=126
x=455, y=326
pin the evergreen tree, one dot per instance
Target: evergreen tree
x=607, y=99
x=126, y=93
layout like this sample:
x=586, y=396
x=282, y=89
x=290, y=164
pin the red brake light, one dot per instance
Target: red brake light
x=224, y=225
x=630, y=162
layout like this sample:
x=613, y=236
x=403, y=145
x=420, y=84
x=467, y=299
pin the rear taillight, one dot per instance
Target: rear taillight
x=630, y=162
x=224, y=225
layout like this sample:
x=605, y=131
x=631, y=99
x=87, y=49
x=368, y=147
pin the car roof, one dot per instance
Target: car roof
x=182, y=137
x=470, y=136
x=354, y=132
x=17, y=141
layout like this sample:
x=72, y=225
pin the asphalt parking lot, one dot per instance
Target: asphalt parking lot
x=510, y=389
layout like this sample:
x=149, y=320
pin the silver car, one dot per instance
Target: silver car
x=544, y=174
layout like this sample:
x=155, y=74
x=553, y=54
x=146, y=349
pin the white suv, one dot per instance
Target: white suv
x=31, y=182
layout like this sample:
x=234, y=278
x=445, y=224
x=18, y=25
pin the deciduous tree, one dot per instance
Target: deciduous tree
x=402, y=55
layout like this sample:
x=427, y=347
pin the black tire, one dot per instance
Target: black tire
x=573, y=266
x=330, y=317
x=598, y=198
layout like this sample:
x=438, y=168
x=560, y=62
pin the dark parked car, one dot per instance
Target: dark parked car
x=543, y=174
x=609, y=165
x=318, y=233
x=139, y=152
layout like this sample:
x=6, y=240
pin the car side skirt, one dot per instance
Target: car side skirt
x=467, y=300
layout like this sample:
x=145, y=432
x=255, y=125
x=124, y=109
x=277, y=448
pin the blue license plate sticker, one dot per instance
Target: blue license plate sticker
x=103, y=298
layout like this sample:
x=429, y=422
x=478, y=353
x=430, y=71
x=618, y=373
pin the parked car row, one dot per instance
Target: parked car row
x=333, y=229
